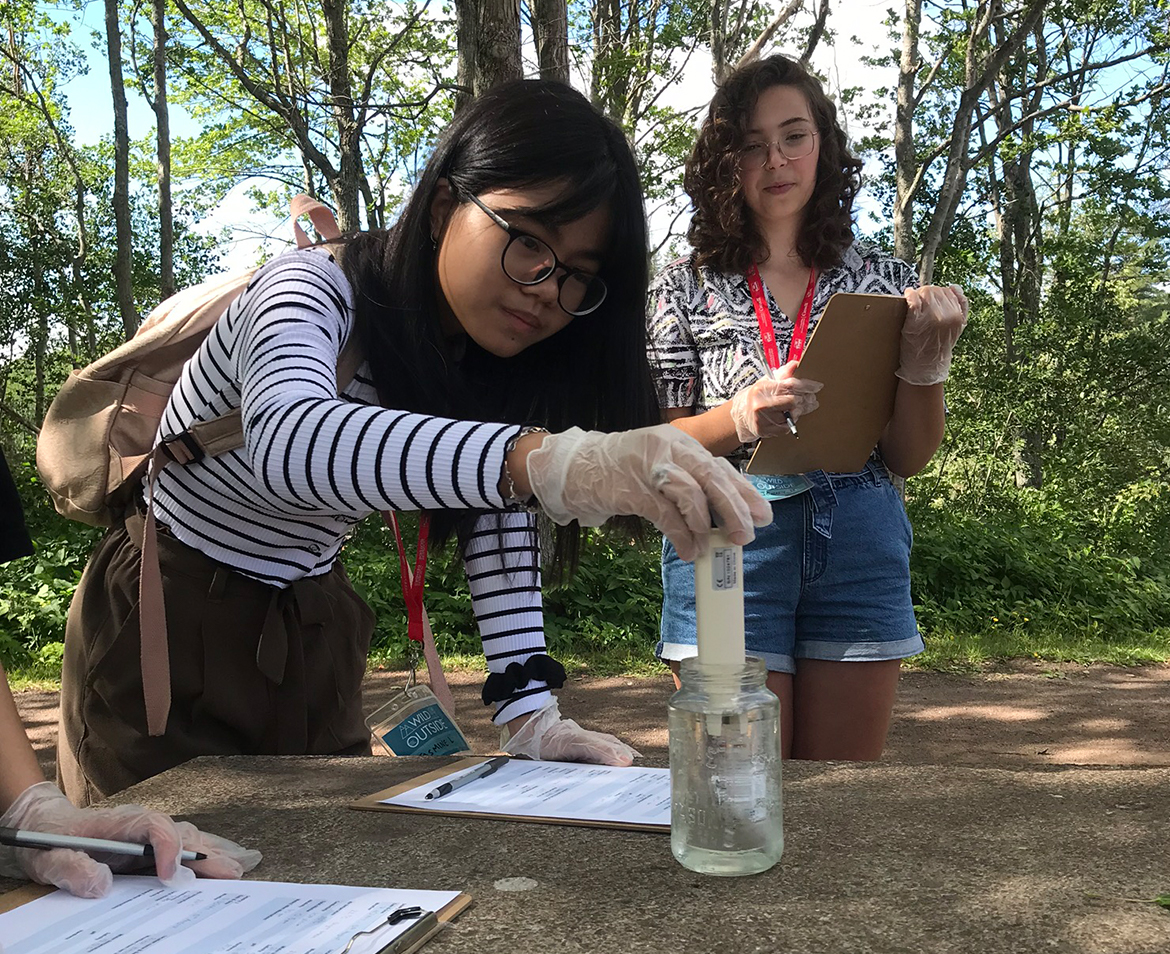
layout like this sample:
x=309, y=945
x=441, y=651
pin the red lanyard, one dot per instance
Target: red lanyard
x=764, y=317
x=413, y=583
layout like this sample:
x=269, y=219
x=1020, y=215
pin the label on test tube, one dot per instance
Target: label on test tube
x=724, y=568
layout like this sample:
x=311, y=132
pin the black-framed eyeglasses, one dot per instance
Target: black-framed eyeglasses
x=529, y=261
x=795, y=144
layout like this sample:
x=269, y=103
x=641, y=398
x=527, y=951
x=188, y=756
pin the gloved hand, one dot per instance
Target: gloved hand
x=658, y=473
x=758, y=410
x=42, y=807
x=936, y=318
x=549, y=737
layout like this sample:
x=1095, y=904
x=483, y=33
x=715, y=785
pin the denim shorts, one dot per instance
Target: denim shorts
x=829, y=578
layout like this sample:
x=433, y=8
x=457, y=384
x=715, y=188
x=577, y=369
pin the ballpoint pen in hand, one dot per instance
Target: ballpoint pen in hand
x=791, y=425
x=21, y=838
x=483, y=770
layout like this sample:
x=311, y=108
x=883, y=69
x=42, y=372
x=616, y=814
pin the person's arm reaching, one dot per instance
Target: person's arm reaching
x=18, y=761
x=502, y=558
x=27, y=801
x=382, y=458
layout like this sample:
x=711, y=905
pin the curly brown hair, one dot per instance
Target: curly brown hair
x=722, y=230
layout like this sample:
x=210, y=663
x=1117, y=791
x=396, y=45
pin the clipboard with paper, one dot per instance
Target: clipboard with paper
x=142, y=915
x=554, y=793
x=853, y=351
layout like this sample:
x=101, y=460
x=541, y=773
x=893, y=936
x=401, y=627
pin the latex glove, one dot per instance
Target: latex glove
x=936, y=318
x=42, y=807
x=758, y=410
x=549, y=737
x=658, y=473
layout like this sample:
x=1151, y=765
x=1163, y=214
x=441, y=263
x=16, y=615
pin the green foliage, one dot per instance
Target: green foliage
x=279, y=131
x=35, y=591
x=1027, y=576
x=610, y=604
x=1041, y=523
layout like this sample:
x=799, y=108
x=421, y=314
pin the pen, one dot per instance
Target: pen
x=46, y=840
x=483, y=770
x=791, y=424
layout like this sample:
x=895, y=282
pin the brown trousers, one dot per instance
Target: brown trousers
x=255, y=670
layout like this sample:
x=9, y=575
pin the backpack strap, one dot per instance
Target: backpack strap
x=226, y=433
x=154, y=650
x=319, y=214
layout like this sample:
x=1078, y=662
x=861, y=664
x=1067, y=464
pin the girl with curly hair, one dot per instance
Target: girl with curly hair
x=827, y=585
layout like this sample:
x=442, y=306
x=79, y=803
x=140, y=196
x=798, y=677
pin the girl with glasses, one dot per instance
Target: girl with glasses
x=511, y=292
x=827, y=585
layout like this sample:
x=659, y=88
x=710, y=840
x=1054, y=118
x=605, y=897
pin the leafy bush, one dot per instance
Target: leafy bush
x=1031, y=568
x=611, y=602
x=1022, y=576
x=35, y=591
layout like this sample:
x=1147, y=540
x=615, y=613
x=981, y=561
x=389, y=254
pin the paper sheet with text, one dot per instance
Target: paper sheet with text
x=142, y=916
x=561, y=790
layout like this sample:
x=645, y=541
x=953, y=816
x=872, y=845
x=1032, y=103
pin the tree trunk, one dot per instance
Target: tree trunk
x=166, y=219
x=611, y=75
x=467, y=45
x=979, y=73
x=123, y=266
x=905, y=161
x=497, y=58
x=346, y=185
x=550, y=32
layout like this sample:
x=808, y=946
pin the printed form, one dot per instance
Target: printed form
x=562, y=790
x=140, y=916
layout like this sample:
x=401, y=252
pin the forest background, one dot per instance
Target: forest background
x=1018, y=149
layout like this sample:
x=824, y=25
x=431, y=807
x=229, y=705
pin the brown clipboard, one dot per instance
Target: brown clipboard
x=374, y=803
x=853, y=351
x=409, y=942
x=23, y=895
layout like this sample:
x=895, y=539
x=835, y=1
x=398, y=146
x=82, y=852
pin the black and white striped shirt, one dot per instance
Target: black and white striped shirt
x=315, y=463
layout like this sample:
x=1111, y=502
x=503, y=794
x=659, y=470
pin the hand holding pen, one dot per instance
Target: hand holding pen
x=42, y=809
x=773, y=405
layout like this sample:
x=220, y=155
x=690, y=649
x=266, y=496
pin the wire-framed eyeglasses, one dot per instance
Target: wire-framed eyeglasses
x=796, y=143
x=529, y=261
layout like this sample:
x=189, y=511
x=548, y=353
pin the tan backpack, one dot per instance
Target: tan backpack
x=98, y=438
x=99, y=432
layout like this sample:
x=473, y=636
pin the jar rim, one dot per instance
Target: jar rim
x=753, y=668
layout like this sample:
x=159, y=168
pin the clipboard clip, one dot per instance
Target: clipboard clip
x=426, y=924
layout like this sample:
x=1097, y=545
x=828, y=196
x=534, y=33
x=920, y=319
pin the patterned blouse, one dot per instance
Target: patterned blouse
x=704, y=339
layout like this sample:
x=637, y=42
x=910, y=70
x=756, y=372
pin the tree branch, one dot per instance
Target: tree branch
x=19, y=418
x=782, y=17
x=817, y=31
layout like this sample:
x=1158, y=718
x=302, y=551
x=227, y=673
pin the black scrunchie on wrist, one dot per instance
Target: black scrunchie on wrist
x=501, y=685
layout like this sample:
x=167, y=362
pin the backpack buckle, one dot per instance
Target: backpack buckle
x=183, y=449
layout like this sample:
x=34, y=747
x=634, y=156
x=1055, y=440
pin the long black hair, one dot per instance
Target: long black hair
x=593, y=373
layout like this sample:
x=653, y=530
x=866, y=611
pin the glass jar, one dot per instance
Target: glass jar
x=727, y=815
